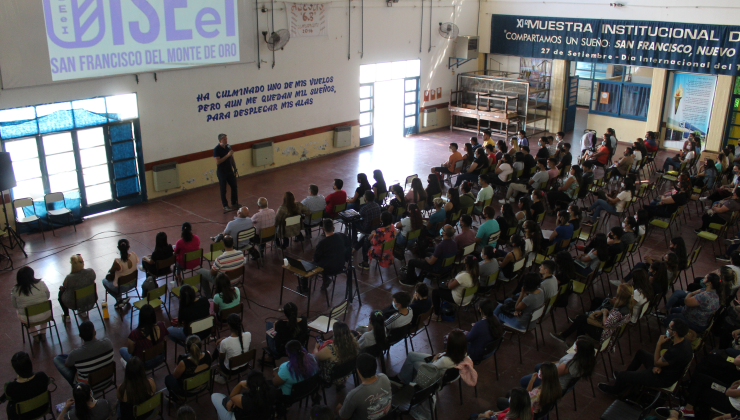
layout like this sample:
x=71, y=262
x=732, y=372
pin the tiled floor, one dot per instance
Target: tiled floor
x=96, y=240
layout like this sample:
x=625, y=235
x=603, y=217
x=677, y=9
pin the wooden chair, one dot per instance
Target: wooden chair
x=159, y=349
x=246, y=362
x=52, y=198
x=83, y=293
x=48, y=323
x=27, y=220
x=156, y=298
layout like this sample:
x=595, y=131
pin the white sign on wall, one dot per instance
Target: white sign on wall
x=307, y=19
x=94, y=38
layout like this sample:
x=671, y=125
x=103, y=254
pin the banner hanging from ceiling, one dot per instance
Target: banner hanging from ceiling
x=97, y=38
x=695, y=48
x=307, y=19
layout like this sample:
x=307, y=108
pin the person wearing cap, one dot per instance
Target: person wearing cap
x=225, y=166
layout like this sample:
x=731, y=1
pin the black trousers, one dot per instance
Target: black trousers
x=443, y=170
x=581, y=326
x=707, y=219
x=230, y=180
x=440, y=294
x=704, y=398
x=413, y=265
x=559, y=198
x=719, y=195
x=632, y=376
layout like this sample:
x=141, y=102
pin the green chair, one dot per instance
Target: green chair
x=47, y=323
x=445, y=270
x=194, y=387
x=314, y=223
x=154, y=403
x=217, y=248
x=37, y=402
x=387, y=246
x=489, y=283
x=666, y=226
x=469, y=292
x=175, y=291
x=129, y=280
x=196, y=255
x=155, y=298
x=83, y=293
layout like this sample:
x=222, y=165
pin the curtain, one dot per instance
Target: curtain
x=612, y=89
x=635, y=100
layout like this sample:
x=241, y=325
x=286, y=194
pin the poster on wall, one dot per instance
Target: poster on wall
x=306, y=19
x=688, y=107
x=691, y=47
x=98, y=38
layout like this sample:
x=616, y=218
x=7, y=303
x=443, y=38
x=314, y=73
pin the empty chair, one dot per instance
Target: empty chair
x=26, y=220
x=63, y=212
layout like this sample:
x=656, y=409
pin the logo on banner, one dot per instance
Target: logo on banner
x=307, y=19
x=93, y=38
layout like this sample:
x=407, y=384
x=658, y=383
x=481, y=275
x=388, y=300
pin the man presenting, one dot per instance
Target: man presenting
x=225, y=170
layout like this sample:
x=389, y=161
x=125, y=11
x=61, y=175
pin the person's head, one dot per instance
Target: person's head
x=224, y=288
x=537, y=195
x=187, y=297
x=262, y=203
x=490, y=149
x=321, y=412
x=507, y=210
x=469, y=150
x=454, y=195
x=313, y=189
x=362, y=179
x=338, y=184
x=367, y=366
x=518, y=242
x=344, y=342
x=123, y=247
x=398, y=190
x=542, y=164
x=628, y=151
x=471, y=266
x=507, y=159
x=486, y=308
x=290, y=310
x=300, y=363
x=457, y=346
x=519, y=157
x=448, y=232
x=223, y=140
x=453, y=147
x=550, y=390
x=521, y=134
x=736, y=168
x=438, y=203
x=542, y=141
x=82, y=395
x=259, y=390
x=588, y=167
x=474, y=140
x=679, y=247
x=564, y=263
x=629, y=224
x=401, y=300
x=552, y=162
x=547, y=268
x=711, y=281
x=186, y=232
x=147, y=320
x=186, y=412
x=87, y=331
x=488, y=252
x=520, y=405
x=386, y=219
x=531, y=282
x=624, y=296
x=584, y=358
x=489, y=212
x=574, y=211
x=641, y=281
x=378, y=176
x=22, y=364
x=78, y=263
x=678, y=328
x=377, y=320
x=615, y=234
x=135, y=382
x=193, y=347
x=421, y=290
x=466, y=221
x=228, y=242
x=501, y=146
x=369, y=196
x=328, y=226
x=563, y=218
x=418, y=187
x=482, y=182
x=513, y=142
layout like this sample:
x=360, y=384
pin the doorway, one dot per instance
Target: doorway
x=388, y=111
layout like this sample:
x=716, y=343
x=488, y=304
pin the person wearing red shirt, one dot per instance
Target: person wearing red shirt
x=339, y=196
x=650, y=144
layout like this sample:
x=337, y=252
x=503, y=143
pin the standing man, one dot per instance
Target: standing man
x=225, y=170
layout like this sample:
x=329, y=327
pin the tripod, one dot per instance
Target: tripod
x=12, y=234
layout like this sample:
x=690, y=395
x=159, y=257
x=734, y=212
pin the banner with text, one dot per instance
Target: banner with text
x=688, y=107
x=94, y=38
x=697, y=48
x=307, y=19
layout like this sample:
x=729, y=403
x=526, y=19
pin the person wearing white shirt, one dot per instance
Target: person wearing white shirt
x=540, y=177
x=675, y=162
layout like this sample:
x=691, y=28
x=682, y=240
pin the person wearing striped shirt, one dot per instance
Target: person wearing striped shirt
x=230, y=260
x=93, y=355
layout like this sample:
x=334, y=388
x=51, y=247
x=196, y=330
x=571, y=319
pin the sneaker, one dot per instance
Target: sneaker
x=588, y=223
x=558, y=337
x=722, y=258
x=219, y=379
x=732, y=241
x=686, y=413
x=605, y=388
x=704, y=198
x=697, y=231
x=123, y=362
x=82, y=314
x=502, y=201
x=365, y=266
x=119, y=305
x=227, y=208
x=407, y=282
x=616, y=283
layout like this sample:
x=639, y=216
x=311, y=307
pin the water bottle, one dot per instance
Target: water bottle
x=104, y=305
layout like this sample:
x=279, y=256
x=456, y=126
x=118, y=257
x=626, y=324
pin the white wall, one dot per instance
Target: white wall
x=717, y=12
x=171, y=125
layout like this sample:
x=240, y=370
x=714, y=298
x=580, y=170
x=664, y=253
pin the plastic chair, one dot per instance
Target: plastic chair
x=83, y=293
x=154, y=351
x=243, y=361
x=154, y=403
x=155, y=298
x=27, y=220
x=194, y=282
x=47, y=323
x=193, y=386
x=31, y=404
x=52, y=198
x=103, y=379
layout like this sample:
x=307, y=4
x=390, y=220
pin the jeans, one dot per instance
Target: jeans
x=472, y=177
x=676, y=299
x=443, y=293
x=671, y=163
x=116, y=291
x=644, y=377
x=598, y=206
x=151, y=364
x=218, y=402
x=67, y=372
x=511, y=321
x=206, y=282
x=229, y=179
x=410, y=366
x=271, y=343
x=177, y=334
x=524, y=382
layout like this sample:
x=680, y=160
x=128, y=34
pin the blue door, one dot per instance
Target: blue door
x=571, y=109
x=410, y=106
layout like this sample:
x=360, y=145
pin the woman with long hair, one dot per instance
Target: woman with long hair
x=192, y=308
x=398, y=201
x=706, y=176
x=146, y=335
x=253, y=399
x=523, y=205
x=678, y=246
x=614, y=203
x=354, y=201
x=225, y=296
x=188, y=242
x=85, y=406
x=341, y=349
x=576, y=215
x=455, y=353
x=519, y=407
x=565, y=194
x=190, y=364
x=643, y=292
x=506, y=264
x=416, y=192
x=484, y=332
x=658, y=274
x=124, y=265
x=78, y=278
x=453, y=204
x=565, y=270
x=29, y=291
x=413, y=221
x=594, y=253
x=544, y=394
x=433, y=188
x=572, y=366
x=235, y=344
x=300, y=366
x=135, y=389
x=376, y=335
x=532, y=234
x=293, y=327
x=379, y=187
x=162, y=251
x=289, y=208
x=454, y=290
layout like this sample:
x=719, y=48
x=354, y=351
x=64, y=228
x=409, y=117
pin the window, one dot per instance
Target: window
x=620, y=91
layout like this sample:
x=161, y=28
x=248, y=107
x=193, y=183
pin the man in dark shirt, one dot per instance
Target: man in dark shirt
x=614, y=239
x=445, y=249
x=660, y=371
x=529, y=163
x=567, y=157
x=331, y=253
x=26, y=386
x=225, y=166
x=420, y=304
x=666, y=206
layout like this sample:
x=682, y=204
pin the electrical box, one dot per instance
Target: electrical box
x=262, y=154
x=342, y=136
x=465, y=47
x=166, y=176
x=430, y=117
